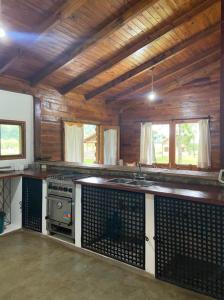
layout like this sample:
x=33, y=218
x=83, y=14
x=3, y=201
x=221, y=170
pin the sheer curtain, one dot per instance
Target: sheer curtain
x=110, y=147
x=146, y=152
x=74, y=142
x=204, y=149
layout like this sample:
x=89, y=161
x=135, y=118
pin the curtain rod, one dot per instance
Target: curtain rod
x=80, y=121
x=170, y=120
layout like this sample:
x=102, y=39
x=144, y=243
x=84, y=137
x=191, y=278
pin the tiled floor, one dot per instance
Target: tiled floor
x=32, y=267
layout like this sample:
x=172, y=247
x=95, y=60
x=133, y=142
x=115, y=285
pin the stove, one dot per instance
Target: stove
x=61, y=204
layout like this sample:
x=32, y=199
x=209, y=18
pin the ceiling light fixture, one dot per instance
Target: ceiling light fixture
x=152, y=94
x=2, y=30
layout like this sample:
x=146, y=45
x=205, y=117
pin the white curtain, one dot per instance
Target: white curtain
x=146, y=153
x=74, y=143
x=204, y=149
x=110, y=147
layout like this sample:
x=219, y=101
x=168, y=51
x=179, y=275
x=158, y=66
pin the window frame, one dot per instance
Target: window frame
x=159, y=165
x=22, y=125
x=182, y=166
x=172, y=146
x=83, y=123
x=102, y=129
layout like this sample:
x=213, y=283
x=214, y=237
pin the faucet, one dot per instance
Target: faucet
x=139, y=174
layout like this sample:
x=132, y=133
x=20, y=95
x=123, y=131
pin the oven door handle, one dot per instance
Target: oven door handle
x=50, y=219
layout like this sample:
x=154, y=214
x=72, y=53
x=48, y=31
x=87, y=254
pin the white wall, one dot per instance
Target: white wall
x=19, y=107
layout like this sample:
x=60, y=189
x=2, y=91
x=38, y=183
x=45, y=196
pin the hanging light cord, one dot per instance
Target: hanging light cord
x=0, y=11
x=152, y=81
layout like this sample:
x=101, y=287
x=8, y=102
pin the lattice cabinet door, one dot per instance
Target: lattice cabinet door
x=32, y=204
x=113, y=224
x=190, y=245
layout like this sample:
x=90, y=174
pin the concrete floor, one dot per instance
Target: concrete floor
x=32, y=267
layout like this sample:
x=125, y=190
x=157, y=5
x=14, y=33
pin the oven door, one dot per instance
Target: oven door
x=60, y=209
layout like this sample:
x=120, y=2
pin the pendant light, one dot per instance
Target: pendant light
x=2, y=30
x=152, y=94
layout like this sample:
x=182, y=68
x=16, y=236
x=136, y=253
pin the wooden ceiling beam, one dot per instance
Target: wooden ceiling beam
x=7, y=64
x=62, y=11
x=170, y=72
x=175, y=84
x=154, y=61
x=140, y=43
x=105, y=31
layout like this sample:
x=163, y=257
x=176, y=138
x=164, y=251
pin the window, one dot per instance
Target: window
x=90, y=144
x=187, y=141
x=160, y=142
x=81, y=142
x=12, y=139
x=180, y=144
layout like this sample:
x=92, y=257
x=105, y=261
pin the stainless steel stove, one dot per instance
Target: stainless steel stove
x=61, y=204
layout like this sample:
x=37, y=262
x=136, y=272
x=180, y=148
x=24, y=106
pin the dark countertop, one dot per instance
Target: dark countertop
x=211, y=176
x=37, y=174
x=203, y=194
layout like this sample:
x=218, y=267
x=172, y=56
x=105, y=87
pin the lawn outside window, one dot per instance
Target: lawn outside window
x=12, y=140
x=175, y=144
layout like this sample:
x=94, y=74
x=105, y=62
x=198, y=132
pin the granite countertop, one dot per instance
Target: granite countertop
x=213, y=176
x=202, y=194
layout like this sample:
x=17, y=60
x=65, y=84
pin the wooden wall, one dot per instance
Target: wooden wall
x=54, y=107
x=188, y=102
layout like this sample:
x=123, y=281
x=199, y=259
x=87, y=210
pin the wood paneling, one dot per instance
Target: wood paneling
x=54, y=107
x=189, y=102
x=137, y=45
x=222, y=90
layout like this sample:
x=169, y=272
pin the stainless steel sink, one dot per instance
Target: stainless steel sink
x=141, y=183
x=120, y=180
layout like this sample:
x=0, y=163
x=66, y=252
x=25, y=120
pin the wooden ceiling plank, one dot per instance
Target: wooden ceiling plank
x=62, y=11
x=203, y=70
x=7, y=64
x=105, y=31
x=144, y=40
x=154, y=61
x=169, y=72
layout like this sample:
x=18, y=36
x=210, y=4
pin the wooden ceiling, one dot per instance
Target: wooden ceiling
x=106, y=49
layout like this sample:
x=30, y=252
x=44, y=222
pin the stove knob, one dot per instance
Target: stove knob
x=65, y=189
x=70, y=190
x=59, y=205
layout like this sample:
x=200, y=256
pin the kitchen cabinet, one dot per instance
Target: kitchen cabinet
x=189, y=245
x=32, y=204
x=113, y=224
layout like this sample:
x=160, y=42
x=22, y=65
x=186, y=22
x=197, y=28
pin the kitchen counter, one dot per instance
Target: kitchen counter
x=203, y=194
x=36, y=174
x=155, y=174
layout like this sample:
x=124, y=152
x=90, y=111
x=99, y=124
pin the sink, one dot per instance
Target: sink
x=120, y=180
x=141, y=183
